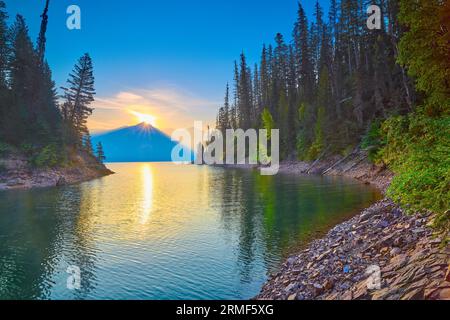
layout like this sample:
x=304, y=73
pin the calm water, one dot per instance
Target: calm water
x=161, y=231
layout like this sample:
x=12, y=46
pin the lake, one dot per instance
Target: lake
x=165, y=231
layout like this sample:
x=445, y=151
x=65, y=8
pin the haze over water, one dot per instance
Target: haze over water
x=165, y=231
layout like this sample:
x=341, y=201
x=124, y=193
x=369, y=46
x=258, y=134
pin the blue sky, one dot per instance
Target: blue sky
x=171, y=59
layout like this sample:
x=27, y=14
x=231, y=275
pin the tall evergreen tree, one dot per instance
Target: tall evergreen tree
x=4, y=53
x=425, y=50
x=100, y=153
x=79, y=96
x=42, y=39
x=23, y=79
x=4, y=46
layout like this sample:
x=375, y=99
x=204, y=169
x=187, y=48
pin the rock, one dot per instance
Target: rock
x=395, y=251
x=413, y=266
x=361, y=291
x=61, y=181
x=444, y=294
x=290, y=287
x=416, y=294
x=383, y=224
x=292, y=297
x=317, y=289
x=290, y=260
x=328, y=285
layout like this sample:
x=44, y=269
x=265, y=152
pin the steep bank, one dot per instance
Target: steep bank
x=17, y=173
x=383, y=238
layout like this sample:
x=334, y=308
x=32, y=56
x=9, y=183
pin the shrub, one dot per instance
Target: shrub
x=417, y=150
x=373, y=141
x=5, y=149
x=27, y=149
x=47, y=157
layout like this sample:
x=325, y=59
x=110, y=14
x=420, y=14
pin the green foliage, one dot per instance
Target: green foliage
x=5, y=149
x=318, y=144
x=27, y=148
x=373, y=141
x=425, y=50
x=417, y=150
x=100, y=153
x=47, y=157
x=267, y=121
x=302, y=112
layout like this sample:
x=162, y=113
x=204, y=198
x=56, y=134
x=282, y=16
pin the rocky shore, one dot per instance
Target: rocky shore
x=16, y=173
x=380, y=254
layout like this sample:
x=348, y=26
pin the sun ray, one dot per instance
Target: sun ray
x=144, y=118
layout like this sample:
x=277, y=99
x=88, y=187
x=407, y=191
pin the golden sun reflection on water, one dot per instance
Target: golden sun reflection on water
x=146, y=202
x=147, y=189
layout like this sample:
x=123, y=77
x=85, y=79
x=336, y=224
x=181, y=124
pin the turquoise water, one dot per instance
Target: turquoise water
x=165, y=231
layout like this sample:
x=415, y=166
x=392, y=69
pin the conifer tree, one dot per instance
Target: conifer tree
x=100, y=153
x=4, y=46
x=42, y=40
x=79, y=96
x=87, y=144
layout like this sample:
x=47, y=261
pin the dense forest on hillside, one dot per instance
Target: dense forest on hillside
x=338, y=85
x=34, y=120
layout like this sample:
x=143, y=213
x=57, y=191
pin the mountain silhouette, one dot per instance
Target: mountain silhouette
x=140, y=143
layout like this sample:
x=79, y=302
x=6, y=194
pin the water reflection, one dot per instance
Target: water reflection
x=161, y=231
x=147, y=189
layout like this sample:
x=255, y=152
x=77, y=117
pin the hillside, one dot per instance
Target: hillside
x=17, y=172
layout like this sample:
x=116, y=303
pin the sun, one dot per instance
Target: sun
x=145, y=118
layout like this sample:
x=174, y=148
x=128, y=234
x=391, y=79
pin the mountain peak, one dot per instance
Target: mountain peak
x=140, y=143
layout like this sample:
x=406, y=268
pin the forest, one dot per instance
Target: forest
x=335, y=86
x=34, y=120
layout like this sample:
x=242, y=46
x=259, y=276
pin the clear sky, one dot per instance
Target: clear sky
x=170, y=59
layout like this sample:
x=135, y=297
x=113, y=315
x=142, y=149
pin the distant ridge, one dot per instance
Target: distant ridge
x=140, y=143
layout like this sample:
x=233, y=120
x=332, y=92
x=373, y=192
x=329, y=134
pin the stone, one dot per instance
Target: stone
x=292, y=297
x=447, y=275
x=383, y=224
x=328, y=285
x=61, y=181
x=444, y=294
x=416, y=294
x=395, y=251
x=317, y=289
x=290, y=287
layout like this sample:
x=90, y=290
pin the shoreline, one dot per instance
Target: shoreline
x=402, y=248
x=17, y=174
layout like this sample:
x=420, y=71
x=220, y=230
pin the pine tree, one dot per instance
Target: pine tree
x=42, y=40
x=4, y=46
x=267, y=121
x=244, y=95
x=23, y=79
x=4, y=53
x=303, y=52
x=87, y=144
x=100, y=153
x=79, y=96
x=425, y=50
x=226, y=109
